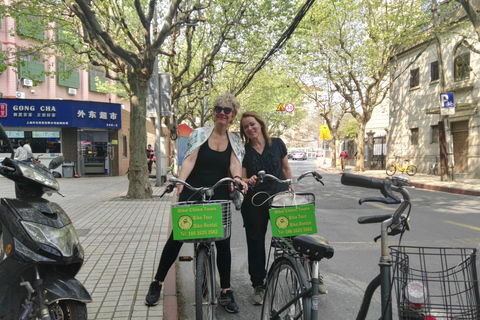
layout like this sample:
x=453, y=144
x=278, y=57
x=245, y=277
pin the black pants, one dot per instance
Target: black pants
x=255, y=221
x=170, y=254
x=150, y=163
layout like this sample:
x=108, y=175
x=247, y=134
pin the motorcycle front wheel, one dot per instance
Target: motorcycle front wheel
x=68, y=310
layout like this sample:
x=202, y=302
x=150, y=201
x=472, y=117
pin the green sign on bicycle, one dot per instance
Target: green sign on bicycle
x=292, y=221
x=197, y=222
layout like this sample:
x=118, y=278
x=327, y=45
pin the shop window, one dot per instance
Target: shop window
x=415, y=78
x=124, y=146
x=31, y=67
x=40, y=141
x=67, y=76
x=434, y=132
x=462, y=62
x=434, y=75
x=414, y=136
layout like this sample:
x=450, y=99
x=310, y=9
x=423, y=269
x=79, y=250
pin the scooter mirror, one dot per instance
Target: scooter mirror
x=55, y=163
x=5, y=143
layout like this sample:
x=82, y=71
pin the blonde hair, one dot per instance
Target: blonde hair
x=260, y=121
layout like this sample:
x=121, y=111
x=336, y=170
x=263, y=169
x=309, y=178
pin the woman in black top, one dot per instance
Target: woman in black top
x=270, y=155
x=212, y=154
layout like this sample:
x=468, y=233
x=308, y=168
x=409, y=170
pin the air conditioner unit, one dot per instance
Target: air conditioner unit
x=72, y=91
x=27, y=82
x=20, y=95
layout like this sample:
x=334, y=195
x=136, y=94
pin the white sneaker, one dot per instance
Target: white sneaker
x=258, y=294
x=322, y=288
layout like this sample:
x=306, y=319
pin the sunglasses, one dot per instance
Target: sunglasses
x=219, y=109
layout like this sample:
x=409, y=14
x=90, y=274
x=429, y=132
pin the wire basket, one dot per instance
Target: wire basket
x=436, y=283
x=226, y=218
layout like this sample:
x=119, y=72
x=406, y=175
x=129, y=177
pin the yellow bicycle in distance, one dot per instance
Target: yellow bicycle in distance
x=410, y=169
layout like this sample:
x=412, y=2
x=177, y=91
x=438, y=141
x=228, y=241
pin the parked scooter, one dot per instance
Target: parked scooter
x=40, y=253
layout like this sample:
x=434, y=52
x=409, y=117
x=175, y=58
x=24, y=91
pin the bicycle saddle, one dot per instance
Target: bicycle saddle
x=313, y=246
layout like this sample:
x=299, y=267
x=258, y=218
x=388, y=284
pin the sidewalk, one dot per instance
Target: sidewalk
x=122, y=240
x=420, y=180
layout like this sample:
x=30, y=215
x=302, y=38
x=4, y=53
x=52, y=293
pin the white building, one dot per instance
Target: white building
x=415, y=102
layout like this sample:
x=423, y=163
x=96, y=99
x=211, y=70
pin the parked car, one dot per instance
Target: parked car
x=297, y=154
x=289, y=154
x=319, y=154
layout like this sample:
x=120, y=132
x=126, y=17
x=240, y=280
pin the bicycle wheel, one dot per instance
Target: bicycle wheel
x=391, y=170
x=203, y=286
x=286, y=280
x=411, y=170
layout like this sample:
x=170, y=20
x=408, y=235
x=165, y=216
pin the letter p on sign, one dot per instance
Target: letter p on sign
x=447, y=105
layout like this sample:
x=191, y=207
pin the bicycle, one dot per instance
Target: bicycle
x=410, y=169
x=433, y=167
x=430, y=283
x=292, y=286
x=420, y=291
x=202, y=223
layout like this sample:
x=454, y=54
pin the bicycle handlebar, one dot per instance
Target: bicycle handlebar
x=204, y=191
x=262, y=175
x=394, y=221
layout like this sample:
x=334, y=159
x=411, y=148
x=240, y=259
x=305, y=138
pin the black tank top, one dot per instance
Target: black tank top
x=210, y=167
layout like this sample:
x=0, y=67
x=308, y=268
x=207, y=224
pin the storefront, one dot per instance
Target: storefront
x=80, y=131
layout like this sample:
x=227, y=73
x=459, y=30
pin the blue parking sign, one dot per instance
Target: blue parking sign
x=447, y=104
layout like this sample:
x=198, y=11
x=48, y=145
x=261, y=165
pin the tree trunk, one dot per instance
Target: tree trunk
x=139, y=186
x=334, y=153
x=360, y=163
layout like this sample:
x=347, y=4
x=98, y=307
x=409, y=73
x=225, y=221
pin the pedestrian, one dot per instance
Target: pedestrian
x=20, y=152
x=150, y=154
x=270, y=155
x=211, y=154
x=343, y=158
x=27, y=147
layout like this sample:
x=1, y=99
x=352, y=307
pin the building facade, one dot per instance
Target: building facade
x=69, y=115
x=415, y=106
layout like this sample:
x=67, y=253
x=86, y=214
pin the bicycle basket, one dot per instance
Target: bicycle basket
x=436, y=282
x=201, y=222
x=292, y=214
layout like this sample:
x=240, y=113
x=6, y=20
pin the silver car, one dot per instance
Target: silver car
x=297, y=154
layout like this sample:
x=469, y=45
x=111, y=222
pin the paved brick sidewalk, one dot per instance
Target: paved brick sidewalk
x=122, y=239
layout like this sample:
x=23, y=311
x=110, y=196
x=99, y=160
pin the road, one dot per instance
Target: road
x=437, y=219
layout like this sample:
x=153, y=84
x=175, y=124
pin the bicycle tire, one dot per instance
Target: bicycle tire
x=286, y=279
x=391, y=170
x=203, y=286
x=411, y=170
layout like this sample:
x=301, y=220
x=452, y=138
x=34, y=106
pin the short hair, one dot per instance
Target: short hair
x=262, y=124
x=228, y=100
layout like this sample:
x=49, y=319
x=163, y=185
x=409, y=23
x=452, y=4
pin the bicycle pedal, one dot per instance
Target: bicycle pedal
x=185, y=258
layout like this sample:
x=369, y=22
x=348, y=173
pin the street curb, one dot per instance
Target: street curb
x=445, y=189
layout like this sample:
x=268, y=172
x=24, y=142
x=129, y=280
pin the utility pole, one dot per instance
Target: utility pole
x=444, y=134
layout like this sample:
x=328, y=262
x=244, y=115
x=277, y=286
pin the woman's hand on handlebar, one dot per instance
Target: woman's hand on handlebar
x=179, y=187
x=242, y=184
x=252, y=180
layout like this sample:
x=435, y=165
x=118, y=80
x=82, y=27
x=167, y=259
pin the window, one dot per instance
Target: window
x=32, y=67
x=124, y=146
x=67, y=76
x=462, y=62
x=414, y=137
x=415, y=78
x=434, y=71
x=93, y=75
x=434, y=132
x=31, y=27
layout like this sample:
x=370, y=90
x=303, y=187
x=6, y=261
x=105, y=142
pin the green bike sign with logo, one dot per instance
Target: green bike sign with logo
x=197, y=222
x=292, y=221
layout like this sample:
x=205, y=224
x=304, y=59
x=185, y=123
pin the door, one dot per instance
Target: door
x=460, y=146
